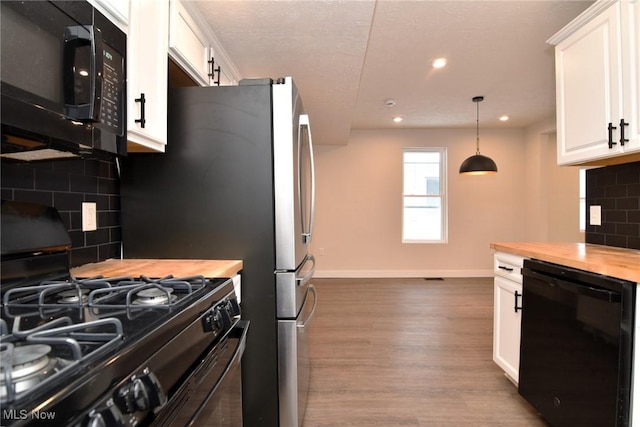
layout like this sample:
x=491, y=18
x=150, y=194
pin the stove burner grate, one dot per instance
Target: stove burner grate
x=26, y=366
x=25, y=361
x=59, y=292
x=163, y=292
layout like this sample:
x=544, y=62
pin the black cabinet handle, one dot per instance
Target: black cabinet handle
x=505, y=268
x=142, y=120
x=515, y=303
x=622, y=138
x=611, y=129
x=212, y=70
x=217, y=70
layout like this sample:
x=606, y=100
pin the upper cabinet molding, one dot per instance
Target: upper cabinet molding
x=116, y=10
x=581, y=20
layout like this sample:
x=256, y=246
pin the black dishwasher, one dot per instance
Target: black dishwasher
x=576, y=345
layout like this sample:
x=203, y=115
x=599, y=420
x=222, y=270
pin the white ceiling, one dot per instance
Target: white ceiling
x=348, y=56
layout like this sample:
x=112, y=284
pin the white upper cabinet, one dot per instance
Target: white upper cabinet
x=597, y=83
x=631, y=74
x=147, y=47
x=194, y=47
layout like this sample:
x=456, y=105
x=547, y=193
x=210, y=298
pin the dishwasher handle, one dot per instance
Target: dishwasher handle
x=575, y=287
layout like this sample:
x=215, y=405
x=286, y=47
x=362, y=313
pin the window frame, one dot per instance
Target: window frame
x=582, y=199
x=444, y=230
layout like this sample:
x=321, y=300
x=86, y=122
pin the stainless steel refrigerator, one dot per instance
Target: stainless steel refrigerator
x=237, y=182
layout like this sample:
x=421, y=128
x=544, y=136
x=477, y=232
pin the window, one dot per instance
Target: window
x=583, y=198
x=424, y=202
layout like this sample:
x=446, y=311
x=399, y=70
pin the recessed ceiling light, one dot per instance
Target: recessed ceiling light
x=439, y=62
x=504, y=118
x=397, y=119
x=390, y=102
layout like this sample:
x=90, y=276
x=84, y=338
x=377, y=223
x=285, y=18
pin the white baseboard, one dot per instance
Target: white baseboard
x=384, y=274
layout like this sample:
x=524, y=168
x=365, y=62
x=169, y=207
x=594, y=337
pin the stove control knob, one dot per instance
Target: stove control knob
x=107, y=417
x=142, y=393
x=216, y=320
x=233, y=307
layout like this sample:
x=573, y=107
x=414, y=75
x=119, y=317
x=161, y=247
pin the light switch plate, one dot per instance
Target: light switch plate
x=595, y=215
x=89, y=216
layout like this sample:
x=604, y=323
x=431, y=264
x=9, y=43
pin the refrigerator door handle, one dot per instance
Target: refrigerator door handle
x=306, y=233
x=301, y=281
x=305, y=322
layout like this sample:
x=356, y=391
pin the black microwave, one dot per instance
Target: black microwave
x=63, y=78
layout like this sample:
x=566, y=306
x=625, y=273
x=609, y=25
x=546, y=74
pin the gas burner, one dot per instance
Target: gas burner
x=28, y=366
x=73, y=296
x=159, y=295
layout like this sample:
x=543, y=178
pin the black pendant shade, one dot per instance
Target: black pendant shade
x=478, y=164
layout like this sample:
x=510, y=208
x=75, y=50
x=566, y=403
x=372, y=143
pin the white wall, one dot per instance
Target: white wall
x=552, y=213
x=359, y=204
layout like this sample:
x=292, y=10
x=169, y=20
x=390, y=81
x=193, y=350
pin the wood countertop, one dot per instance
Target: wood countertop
x=155, y=268
x=607, y=260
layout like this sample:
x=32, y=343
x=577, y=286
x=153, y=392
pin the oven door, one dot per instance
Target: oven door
x=211, y=395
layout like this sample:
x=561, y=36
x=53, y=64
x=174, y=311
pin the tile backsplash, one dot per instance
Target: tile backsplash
x=617, y=190
x=65, y=184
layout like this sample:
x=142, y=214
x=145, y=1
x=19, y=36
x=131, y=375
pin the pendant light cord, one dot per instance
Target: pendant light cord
x=478, y=127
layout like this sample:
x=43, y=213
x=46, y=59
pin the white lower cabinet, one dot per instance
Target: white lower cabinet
x=507, y=313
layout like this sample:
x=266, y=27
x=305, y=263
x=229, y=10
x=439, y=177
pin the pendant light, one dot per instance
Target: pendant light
x=478, y=164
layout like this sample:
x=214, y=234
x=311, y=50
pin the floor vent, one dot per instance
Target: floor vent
x=433, y=278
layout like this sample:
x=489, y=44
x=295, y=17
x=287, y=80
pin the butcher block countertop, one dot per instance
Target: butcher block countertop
x=607, y=260
x=156, y=268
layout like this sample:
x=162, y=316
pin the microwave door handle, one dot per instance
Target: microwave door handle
x=75, y=37
x=306, y=235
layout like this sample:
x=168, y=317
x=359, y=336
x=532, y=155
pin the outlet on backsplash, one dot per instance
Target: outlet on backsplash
x=89, y=220
x=595, y=215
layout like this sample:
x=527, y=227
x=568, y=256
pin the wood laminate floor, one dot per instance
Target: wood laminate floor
x=408, y=352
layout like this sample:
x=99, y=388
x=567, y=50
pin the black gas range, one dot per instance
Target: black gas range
x=121, y=351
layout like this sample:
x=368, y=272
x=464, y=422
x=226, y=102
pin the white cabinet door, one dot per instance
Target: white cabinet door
x=631, y=73
x=189, y=46
x=588, y=89
x=597, y=83
x=506, y=325
x=147, y=47
x=195, y=48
